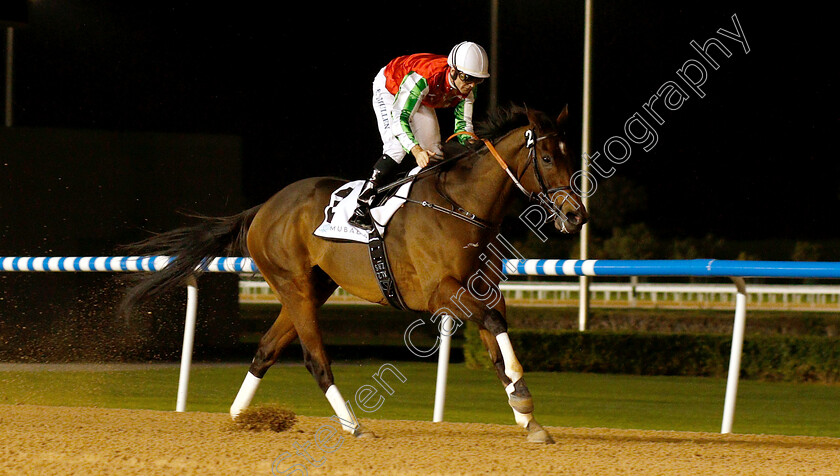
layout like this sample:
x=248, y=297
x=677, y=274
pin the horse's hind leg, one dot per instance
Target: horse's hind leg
x=272, y=343
x=301, y=298
x=281, y=334
x=315, y=357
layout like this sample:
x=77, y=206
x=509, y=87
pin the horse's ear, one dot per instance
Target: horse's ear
x=563, y=117
x=532, y=117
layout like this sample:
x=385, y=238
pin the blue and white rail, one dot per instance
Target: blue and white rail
x=691, y=267
x=736, y=270
x=117, y=264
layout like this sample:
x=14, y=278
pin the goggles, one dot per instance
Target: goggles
x=469, y=79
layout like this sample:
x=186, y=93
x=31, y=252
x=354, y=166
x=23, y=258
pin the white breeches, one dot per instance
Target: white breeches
x=424, y=123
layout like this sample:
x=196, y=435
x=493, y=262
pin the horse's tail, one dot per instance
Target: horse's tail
x=191, y=246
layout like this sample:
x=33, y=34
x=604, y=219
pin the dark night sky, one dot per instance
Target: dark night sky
x=752, y=159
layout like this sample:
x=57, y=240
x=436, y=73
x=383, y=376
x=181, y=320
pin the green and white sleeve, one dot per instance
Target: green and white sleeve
x=412, y=91
x=463, y=117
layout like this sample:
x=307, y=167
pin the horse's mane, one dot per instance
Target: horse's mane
x=505, y=119
x=497, y=124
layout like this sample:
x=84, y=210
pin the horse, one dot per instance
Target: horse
x=433, y=255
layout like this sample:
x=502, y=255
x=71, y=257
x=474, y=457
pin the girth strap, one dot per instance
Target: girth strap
x=382, y=270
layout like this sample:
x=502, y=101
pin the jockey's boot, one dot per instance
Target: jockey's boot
x=361, y=216
x=381, y=171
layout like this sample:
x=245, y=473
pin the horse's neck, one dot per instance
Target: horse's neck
x=481, y=186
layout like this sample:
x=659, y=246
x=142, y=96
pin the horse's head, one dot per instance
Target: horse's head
x=544, y=168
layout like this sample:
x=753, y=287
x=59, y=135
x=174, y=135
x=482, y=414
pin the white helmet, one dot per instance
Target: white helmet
x=469, y=58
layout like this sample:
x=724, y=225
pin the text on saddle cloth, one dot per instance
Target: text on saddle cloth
x=343, y=202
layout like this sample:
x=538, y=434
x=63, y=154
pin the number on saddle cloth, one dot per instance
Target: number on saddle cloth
x=338, y=197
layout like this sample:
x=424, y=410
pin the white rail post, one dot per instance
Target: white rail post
x=187, y=349
x=583, y=307
x=446, y=330
x=735, y=355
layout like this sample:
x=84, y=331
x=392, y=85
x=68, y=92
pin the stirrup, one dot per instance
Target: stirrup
x=361, y=218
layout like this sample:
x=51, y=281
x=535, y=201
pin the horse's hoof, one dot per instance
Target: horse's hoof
x=362, y=432
x=540, y=436
x=537, y=434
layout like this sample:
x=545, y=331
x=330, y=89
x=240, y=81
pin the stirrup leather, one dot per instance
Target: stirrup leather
x=368, y=193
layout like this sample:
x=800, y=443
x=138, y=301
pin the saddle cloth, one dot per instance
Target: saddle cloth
x=343, y=202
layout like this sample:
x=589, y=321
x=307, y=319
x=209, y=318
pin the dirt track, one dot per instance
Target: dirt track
x=80, y=441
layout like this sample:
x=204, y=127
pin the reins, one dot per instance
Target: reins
x=423, y=173
x=458, y=211
x=531, y=144
x=496, y=156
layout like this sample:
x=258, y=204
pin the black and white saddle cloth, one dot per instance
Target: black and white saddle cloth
x=343, y=203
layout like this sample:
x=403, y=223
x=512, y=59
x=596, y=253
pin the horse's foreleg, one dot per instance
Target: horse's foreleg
x=493, y=331
x=497, y=341
x=281, y=333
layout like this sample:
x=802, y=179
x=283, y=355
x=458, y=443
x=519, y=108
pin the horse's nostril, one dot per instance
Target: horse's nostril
x=574, y=218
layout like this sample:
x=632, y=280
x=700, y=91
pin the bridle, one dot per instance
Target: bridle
x=531, y=143
x=542, y=197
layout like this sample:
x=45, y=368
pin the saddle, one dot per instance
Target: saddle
x=343, y=202
x=335, y=227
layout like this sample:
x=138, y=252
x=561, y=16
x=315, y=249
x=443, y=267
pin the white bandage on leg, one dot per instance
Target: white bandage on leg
x=522, y=419
x=245, y=395
x=513, y=369
x=346, y=418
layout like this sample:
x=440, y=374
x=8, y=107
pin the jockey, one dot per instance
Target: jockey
x=406, y=93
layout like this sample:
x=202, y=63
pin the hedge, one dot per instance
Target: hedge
x=775, y=358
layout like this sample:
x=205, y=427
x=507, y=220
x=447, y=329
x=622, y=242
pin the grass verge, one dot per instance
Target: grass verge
x=561, y=399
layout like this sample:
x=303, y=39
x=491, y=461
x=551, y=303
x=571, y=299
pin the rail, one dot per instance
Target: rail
x=734, y=270
x=770, y=297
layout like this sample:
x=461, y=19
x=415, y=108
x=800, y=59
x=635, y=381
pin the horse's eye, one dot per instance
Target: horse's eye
x=546, y=159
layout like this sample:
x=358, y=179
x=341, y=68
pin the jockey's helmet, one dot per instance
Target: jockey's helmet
x=469, y=58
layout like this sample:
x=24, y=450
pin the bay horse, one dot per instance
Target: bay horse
x=432, y=255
